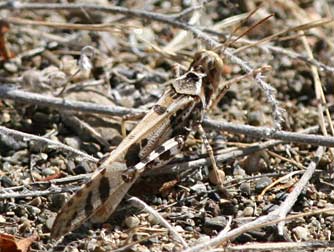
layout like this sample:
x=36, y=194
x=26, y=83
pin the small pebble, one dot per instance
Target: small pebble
x=36, y=175
x=20, y=211
x=5, y=117
x=71, y=249
x=10, y=67
x=34, y=211
x=20, y=157
x=154, y=239
x=50, y=220
x=248, y=211
x=124, y=236
x=178, y=229
x=218, y=222
x=74, y=142
x=245, y=188
x=238, y=171
x=199, y=188
x=214, y=196
x=189, y=228
x=132, y=221
x=81, y=168
x=262, y=183
x=285, y=61
x=48, y=172
x=157, y=201
x=6, y=166
x=152, y=220
x=255, y=118
x=202, y=239
x=140, y=248
x=41, y=118
x=229, y=208
x=190, y=222
x=10, y=214
x=91, y=148
x=91, y=245
x=36, y=201
x=99, y=249
x=301, y=233
x=321, y=203
x=236, y=69
x=25, y=226
x=168, y=247
x=329, y=213
x=6, y=181
x=57, y=201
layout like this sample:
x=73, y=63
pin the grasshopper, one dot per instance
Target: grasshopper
x=158, y=137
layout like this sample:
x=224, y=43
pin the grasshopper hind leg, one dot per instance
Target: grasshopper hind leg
x=157, y=158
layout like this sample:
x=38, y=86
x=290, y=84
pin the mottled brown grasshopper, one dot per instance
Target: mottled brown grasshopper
x=152, y=143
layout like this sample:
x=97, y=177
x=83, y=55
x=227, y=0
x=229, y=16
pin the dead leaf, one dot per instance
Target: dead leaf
x=12, y=244
x=4, y=50
x=168, y=186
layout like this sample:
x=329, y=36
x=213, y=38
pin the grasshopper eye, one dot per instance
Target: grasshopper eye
x=192, y=76
x=211, y=65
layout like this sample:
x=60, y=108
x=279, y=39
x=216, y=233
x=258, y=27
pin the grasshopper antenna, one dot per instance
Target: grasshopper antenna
x=229, y=41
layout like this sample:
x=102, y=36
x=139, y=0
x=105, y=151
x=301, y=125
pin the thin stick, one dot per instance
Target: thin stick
x=168, y=19
x=288, y=203
x=26, y=136
x=305, y=26
x=294, y=55
x=319, y=95
x=267, y=133
x=291, y=161
x=280, y=246
x=162, y=221
x=30, y=193
x=88, y=27
x=6, y=92
x=186, y=12
x=289, y=175
x=252, y=27
x=5, y=192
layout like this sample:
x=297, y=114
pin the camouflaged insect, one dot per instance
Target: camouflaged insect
x=158, y=137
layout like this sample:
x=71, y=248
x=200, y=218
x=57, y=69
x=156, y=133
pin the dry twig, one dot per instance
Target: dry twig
x=264, y=132
x=288, y=203
x=7, y=92
x=26, y=136
x=282, y=246
x=141, y=204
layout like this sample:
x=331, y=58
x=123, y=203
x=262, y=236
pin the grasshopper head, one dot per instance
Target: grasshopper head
x=211, y=65
x=202, y=78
